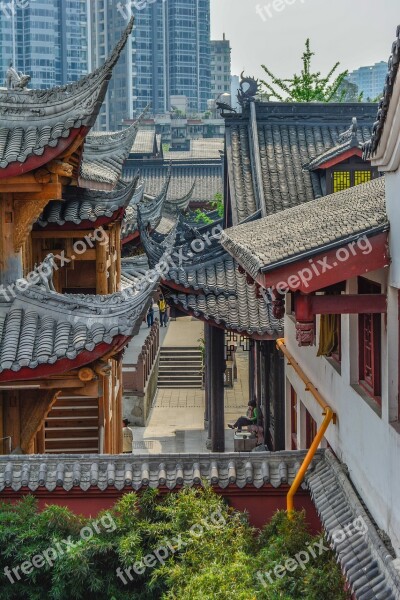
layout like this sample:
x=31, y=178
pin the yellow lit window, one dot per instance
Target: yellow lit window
x=362, y=177
x=341, y=180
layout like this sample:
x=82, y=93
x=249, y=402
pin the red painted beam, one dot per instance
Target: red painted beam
x=347, y=304
x=63, y=365
x=328, y=268
x=340, y=158
x=117, y=215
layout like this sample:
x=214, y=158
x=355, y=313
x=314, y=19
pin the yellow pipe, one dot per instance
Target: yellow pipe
x=329, y=416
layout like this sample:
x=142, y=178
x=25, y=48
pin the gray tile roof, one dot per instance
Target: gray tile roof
x=41, y=327
x=365, y=561
x=129, y=224
x=201, y=148
x=346, y=141
x=83, y=207
x=208, y=178
x=144, y=143
x=393, y=69
x=226, y=297
x=290, y=135
x=105, y=154
x=126, y=472
x=33, y=120
x=304, y=229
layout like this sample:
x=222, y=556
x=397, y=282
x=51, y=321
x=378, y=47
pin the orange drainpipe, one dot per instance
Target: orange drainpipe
x=329, y=416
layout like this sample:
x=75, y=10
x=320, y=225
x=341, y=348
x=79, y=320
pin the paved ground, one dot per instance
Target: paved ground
x=176, y=421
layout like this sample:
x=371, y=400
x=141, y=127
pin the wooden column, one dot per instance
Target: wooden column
x=207, y=383
x=252, y=366
x=112, y=277
x=12, y=418
x=10, y=261
x=217, y=338
x=118, y=250
x=101, y=269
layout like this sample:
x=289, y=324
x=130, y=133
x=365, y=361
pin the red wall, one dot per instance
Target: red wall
x=260, y=503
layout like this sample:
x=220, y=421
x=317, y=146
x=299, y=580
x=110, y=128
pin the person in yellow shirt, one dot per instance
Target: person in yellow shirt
x=127, y=435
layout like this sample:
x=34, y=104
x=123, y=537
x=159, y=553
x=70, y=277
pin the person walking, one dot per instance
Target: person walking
x=127, y=436
x=150, y=316
x=162, y=306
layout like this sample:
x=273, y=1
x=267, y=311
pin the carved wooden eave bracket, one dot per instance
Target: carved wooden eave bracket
x=28, y=206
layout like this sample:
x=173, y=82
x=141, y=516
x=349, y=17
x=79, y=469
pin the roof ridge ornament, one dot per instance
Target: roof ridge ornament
x=349, y=134
x=247, y=95
x=16, y=80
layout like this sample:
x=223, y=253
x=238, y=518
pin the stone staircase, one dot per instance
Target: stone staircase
x=72, y=426
x=180, y=368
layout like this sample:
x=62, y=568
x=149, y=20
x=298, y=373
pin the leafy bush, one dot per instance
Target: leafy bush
x=210, y=552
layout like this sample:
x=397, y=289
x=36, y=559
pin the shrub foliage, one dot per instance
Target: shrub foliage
x=213, y=552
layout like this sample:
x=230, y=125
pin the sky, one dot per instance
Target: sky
x=353, y=32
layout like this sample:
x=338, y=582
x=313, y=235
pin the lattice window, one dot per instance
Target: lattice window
x=341, y=180
x=362, y=177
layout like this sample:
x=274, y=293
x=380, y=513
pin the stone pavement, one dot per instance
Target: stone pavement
x=176, y=421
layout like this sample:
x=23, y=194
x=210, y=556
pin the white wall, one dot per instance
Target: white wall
x=363, y=438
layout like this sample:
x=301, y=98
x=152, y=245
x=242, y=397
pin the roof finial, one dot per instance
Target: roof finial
x=14, y=80
x=248, y=95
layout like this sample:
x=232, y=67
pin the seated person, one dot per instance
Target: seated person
x=250, y=418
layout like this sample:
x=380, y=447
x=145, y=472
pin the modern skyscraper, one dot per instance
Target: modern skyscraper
x=168, y=55
x=370, y=80
x=220, y=68
x=46, y=39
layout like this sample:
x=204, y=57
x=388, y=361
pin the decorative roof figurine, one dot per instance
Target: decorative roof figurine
x=247, y=95
x=16, y=81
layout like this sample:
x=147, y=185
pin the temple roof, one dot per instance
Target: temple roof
x=155, y=210
x=42, y=328
x=366, y=562
x=145, y=143
x=383, y=108
x=105, y=154
x=210, y=148
x=37, y=126
x=85, y=208
x=208, y=177
x=340, y=510
x=302, y=230
x=256, y=469
x=346, y=142
x=210, y=285
x=290, y=135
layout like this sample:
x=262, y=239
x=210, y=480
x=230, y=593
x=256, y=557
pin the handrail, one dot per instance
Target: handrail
x=329, y=416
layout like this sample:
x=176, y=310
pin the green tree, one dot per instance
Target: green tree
x=308, y=86
x=217, y=204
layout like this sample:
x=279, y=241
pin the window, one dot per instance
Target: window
x=311, y=429
x=362, y=177
x=370, y=345
x=341, y=180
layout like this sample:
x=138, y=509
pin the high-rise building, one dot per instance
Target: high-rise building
x=370, y=80
x=220, y=68
x=46, y=39
x=168, y=56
